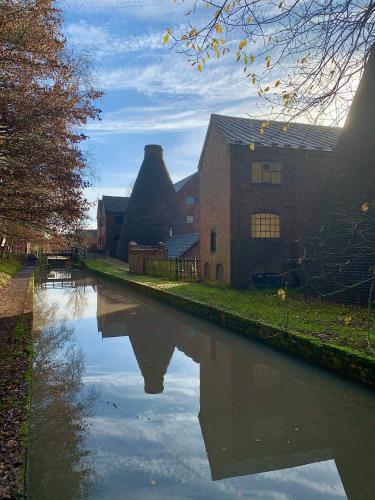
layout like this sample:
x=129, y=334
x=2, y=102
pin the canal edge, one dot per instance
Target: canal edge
x=17, y=374
x=344, y=362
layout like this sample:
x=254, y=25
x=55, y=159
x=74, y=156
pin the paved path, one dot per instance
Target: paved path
x=14, y=296
x=120, y=264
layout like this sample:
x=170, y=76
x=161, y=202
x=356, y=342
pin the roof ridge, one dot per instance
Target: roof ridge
x=258, y=120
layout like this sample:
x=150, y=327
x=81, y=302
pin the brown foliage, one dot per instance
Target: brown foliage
x=45, y=96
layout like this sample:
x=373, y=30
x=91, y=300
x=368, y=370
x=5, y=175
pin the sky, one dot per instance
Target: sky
x=152, y=93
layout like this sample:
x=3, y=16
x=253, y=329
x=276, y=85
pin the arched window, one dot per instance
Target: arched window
x=265, y=225
x=219, y=272
x=207, y=270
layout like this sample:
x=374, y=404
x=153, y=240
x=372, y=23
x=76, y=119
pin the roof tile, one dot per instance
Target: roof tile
x=246, y=131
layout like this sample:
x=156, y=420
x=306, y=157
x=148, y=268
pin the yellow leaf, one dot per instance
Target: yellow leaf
x=249, y=20
x=285, y=128
x=268, y=61
x=365, y=207
x=227, y=7
x=277, y=83
x=245, y=58
x=281, y=294
x=218, y=28
x=347, y=320
x=243, y=44
x=200, y=67
x=252, y=58
x=266, y=89
x=165, y=38
x=253, y=79
x=252, y=146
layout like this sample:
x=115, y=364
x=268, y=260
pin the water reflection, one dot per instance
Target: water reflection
x=254, y=416
x=59, y=464
x=191, y=411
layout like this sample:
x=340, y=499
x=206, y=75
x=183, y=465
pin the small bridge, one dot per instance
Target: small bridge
x=60, y=257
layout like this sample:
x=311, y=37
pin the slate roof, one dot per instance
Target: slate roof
x=180, y=184
x=178, y=245
x=246, y=131
x=115, y=203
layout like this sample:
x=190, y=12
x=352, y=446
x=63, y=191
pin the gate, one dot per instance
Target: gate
x=180, y=269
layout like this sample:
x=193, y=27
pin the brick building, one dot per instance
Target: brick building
x=187, y=191
x=257, y=205
x=110, y=215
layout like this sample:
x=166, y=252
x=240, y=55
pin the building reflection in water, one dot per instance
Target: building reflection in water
x=258, y=413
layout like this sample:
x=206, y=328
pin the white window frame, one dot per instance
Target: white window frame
x=190, y=219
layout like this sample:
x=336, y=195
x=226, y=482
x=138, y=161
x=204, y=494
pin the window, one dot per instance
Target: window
x=190, y=219
x=3, y=241
x=219, y=272
x=190, y=200
x=119, y=219
x=265, y=226
x=207, y=271
x=266, y=172
x=213, y=241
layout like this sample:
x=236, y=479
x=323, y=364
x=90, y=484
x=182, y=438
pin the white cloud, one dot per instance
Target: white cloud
x=136, y=9
x=103, y=43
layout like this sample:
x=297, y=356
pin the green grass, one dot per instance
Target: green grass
x=339, y=324
x=16, y=358
x=8, y=267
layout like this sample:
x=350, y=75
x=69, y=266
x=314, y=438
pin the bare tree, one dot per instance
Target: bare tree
x=305, y=58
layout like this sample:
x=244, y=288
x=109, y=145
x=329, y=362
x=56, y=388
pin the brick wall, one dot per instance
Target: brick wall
x=296, y=200
x=190, y=189
x=215, y=203
x=138, y=253
x=113, y=229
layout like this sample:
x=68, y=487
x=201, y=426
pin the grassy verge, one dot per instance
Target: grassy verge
x=8, y=267
x=15, y=394
x=345, y=326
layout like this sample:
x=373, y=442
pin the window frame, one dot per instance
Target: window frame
x=272, y=230
x=219, y=271
x=187, y=202
x=190, y=219
x=207, y=270
x=213, y=242
x=269, y=172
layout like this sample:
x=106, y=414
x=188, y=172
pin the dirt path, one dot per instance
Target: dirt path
x=14, y=298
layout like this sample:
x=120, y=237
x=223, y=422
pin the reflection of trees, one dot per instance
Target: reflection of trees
x=59, y=465
x=77, y=301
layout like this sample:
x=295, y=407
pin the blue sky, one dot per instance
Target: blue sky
x=152, y=94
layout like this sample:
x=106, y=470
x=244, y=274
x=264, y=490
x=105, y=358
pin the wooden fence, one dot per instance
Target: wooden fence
x=175, y=269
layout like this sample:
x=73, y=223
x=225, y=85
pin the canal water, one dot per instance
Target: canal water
x=132, y=399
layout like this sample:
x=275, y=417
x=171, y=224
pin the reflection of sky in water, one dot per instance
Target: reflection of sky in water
x=153, y=446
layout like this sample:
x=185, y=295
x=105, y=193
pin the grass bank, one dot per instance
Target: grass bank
x=15, y=393
x=8, y=267
x=339, y=337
